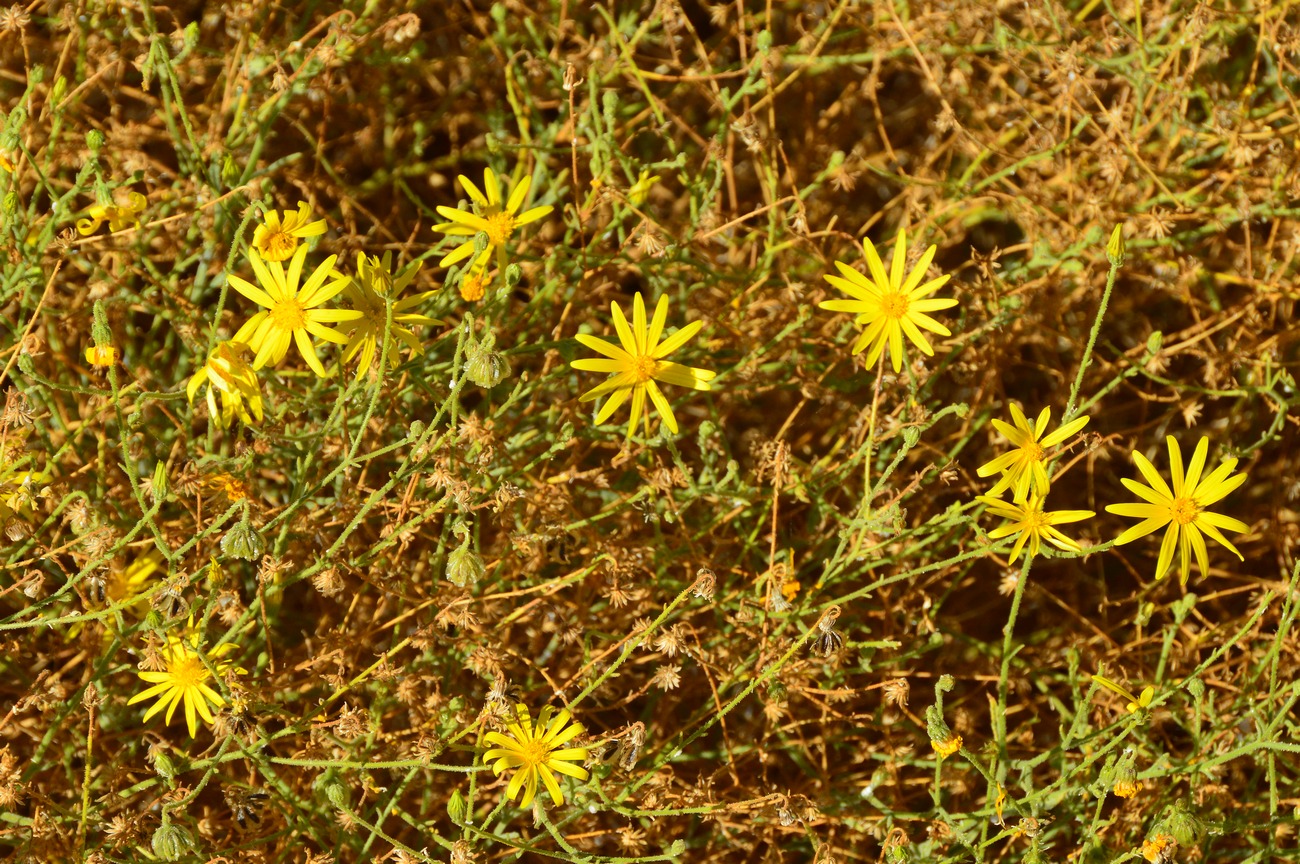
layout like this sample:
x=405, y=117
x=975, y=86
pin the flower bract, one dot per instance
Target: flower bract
x=1026, y=466
x=277, y=238
x=373, y=289
x=228, y=373
x=536, y=751
x=888, y=305
x=1181, y=508
x=292, y=312
x=185, y=680
x=491, y=216
x=639, y=363
x=1030, y=523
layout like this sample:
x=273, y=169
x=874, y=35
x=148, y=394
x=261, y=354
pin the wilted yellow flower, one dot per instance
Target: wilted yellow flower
x=370, y=293
x=101, y=355
x=888, y=305
x=1031, y=523
x=277, y=238
x=947, y=747
x=185, y=679
x=1182, y=508
x=639, y=363
x=534, y=751
x=1135, y=703
x=1026, y=466
x=498, y=222
x=227, y=372
x=475, y=281
x=292, y=312
x=1159, y=848
x=118, y=216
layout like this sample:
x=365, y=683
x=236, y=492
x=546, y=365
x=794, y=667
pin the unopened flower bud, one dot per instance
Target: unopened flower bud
x=486, y=367
x=171, y=842
x=464, y=567
x=243, y=541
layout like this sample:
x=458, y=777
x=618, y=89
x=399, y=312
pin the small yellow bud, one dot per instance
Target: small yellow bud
x=101, y=355
x=1115, y=247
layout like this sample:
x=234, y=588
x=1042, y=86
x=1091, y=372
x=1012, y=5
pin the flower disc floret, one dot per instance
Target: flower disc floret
x=1182, y=508
x=888, y=305
x=291, y=312
x=639, y=364
x=536, y=752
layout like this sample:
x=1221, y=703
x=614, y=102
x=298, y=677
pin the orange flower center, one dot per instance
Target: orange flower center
x=1035, y=520
x=278, y=245
x=645, y=368
x=894, y=306
x=289, y=315
x=534, y=752
x=471, y=287
x=1184, y=511
x=1033, y=451
x=500, y=227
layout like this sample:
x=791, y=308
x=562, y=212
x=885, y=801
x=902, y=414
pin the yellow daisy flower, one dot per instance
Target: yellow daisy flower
x=1033, y=524
x=1026, y=465
x=118, y=216
x=277, y=238
x=533, y=751
x=888, y=305
x=497, y=221
x=1181, y=508
x=228, y=373
x=185, y=679
x=370, y=293
x=291, y=312
x=639, y=363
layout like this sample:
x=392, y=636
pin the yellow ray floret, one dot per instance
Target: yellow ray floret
x=888, y=305
x=291, y=311
x=639, y=363
x=227, y=372
x=536, y=752
x=1182, y=508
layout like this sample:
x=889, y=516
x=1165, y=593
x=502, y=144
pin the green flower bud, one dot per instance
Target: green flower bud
x=464, y=567
x=486, y=367
x=513, y=274
x=1115, y=247
x=171, y=842
x=457, y=808
x=158, y=486
x=243, y=542
x=337, y=794
x=162, y=763
x=11, y=201
x=60, y=87
x=99, y=329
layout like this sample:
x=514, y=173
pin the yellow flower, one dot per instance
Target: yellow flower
x=291, y=312
x=1159, y=848
x=533, y=751
x=7, y=164
x=1182, y=508
x=888, y=305
x=498, y=222
x=1135, y=703
x=228, y=373
x=277, y=238
x=475, y=281
x=127, y=584
x=639, y=363
x=185, y=680
x=1026, y=465
x=101, y=355
x=946, y=747
x=1033, y=524
x=118, y=216
x=641, y=188
x=370, y=293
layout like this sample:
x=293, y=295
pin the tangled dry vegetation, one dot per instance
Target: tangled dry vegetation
x=768, y=661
